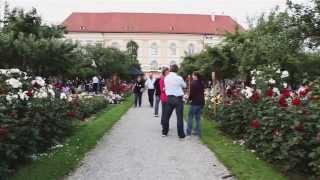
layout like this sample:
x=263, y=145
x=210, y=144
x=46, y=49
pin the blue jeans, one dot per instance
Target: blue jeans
x=156, y=105
x=194, y=112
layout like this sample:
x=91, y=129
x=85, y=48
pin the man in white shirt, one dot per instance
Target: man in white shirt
x=174, y=85
x=150, y=86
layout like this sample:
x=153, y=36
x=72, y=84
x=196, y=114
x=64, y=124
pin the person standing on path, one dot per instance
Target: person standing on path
x=174, y=85
x=95, y=84
x=150, y=86
x=163, y=95
x=196, y=99
x=157, y=93
x=138, y=89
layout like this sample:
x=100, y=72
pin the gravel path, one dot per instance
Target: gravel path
x=135, y=150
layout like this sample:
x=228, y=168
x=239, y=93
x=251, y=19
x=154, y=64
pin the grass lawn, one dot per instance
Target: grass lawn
x=243, y=164
x=58, y=163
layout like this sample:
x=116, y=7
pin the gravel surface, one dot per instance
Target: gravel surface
x=135, y=150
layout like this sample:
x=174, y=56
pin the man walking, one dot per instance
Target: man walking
x=174, y=85
x=150, y=86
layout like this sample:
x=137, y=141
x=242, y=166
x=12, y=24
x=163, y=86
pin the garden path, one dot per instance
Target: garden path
x=135, y=150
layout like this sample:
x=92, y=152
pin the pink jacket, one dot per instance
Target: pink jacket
x=163, y=96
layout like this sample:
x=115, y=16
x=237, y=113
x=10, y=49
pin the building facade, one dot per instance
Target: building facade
x=163, y=39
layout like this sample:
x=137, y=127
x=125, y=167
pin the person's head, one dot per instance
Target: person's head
x=150, y=76
x=165, y=71
x=174, y=68
x=196, y=75
x=139, y=78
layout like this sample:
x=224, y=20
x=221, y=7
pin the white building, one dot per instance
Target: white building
x=163, y=39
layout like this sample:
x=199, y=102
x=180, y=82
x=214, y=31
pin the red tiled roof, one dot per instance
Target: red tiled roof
x=150, y=23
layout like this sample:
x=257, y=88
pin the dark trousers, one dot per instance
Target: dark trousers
x=95, y=87
x=138, y=99
x=174, y=103
x=151, y=96
x=163, y=113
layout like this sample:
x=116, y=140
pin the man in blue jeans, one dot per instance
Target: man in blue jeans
x=174, y=85
x=196, y=97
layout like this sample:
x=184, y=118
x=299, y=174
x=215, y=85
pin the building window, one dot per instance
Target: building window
x=173, y=62
x=154, y=49
x=191, y=49
x=173, y=49
x=115, y=45
x=154, y=65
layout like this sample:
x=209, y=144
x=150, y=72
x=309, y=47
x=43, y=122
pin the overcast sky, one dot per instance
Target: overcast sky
x=55, y=11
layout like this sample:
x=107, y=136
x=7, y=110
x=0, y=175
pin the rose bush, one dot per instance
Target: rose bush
x=281, y=125
x=33, y=118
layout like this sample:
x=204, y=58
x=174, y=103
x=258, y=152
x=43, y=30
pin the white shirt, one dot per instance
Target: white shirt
x=174, y=84
x=95, y=80
x=149, y=83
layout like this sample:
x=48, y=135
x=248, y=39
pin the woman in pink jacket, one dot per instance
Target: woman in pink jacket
x=163, y=96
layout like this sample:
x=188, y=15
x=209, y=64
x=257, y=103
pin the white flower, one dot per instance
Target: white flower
x=247, y=92
x=63, y=96
x=253, y=81
x=14, y=71
x=38, y=80
x=11, y=97
x=258, y=72
x=41, y=93
x=285, y=85
x=23, y=95
x=253, y=72
x=272, y=81
x=284, y=74
x=3, y=71
x=51, y=92
x=14, y=83
x=278, y=71
x=276, y=91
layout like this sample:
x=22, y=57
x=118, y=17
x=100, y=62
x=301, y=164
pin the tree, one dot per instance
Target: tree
x=132, y=50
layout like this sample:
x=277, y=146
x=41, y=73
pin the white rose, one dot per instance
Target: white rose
x=253, y=81
x=14, y=83
x=38, y=80
x=272, y=81
x=11, y=97
x=284, y=74
x=285, y=85
x=258, y=72
x=63, y=96
x=278, y=71
x=276, y=91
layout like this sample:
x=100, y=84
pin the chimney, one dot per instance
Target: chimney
x=213, y=16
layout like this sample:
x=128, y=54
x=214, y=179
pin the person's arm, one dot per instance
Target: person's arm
x=192, y=91
x=183, y=84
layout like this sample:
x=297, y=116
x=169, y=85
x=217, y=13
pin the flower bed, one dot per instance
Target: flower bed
x=280, y=124
x=33, y=118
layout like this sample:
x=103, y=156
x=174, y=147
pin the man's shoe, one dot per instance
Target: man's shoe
x=156, y=115
x=164, y=135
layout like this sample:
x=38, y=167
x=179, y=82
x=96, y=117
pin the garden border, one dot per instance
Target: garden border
x=62, y=161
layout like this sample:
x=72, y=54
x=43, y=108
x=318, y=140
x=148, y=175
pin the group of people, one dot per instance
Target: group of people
x=169, y=89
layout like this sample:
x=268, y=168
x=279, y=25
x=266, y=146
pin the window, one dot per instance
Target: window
x=173, y=62
x=154, y=49
x=154, y=65
x=173, y=49
x=191, y=49
x=115, y=45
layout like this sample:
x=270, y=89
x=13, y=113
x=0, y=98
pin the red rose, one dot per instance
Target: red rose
x=255, y=97
x=304, y=92
x=269, y=92
x=71, y=114
x=282, y=101
x=296, y=102
x=299, y=127
x=285, y=92
x=29, y=93
x=3, y=133
x=255, y=124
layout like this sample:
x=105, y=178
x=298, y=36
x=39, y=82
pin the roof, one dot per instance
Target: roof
x=150, y=23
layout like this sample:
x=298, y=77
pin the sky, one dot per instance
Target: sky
x=55, y=11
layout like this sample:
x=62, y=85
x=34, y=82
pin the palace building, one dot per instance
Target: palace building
x=163, y=39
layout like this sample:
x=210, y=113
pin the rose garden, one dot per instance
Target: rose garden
x=262, y=113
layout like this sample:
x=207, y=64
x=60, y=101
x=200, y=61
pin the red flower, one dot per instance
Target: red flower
x=71, y=114
x=282, y=101
x=299, y=127
x=3, y=133
x=285, y=92
x=255, y=97
x=296, y=102
x=269, y=92
x=304, y=92
x=29, y=93
x=255, y=124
